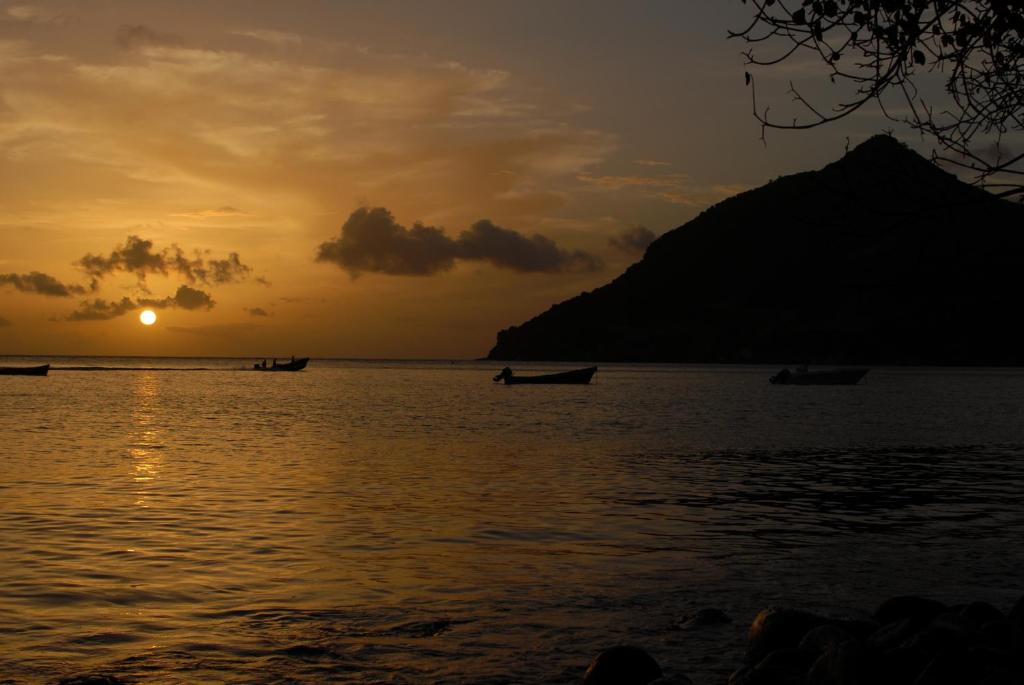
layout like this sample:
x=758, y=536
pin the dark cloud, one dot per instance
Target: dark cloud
x=633, y=240
x=227, y=270
x=137, y=256
x=188, y=298
x=134, y=37
x=371, y=240
x=42, y=284
x=510, y=249
x=4, y=323
x=101, y=310
x=257, y=311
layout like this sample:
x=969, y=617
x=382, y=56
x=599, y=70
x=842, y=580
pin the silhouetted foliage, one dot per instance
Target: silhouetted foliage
x=881, y=47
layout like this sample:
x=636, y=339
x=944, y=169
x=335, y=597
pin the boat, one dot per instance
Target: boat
x=802, y=376
x=24, y=370
x=575, y=377
x=293, y=365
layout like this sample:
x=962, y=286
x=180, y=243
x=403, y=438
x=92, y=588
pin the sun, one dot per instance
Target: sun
x=147, y=317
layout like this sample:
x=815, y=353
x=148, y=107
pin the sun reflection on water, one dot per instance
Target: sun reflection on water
x=146, y=435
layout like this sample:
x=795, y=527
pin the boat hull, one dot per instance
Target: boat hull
x=297, y=365
x=823, y=377
x=24, y=370
x=574, y=377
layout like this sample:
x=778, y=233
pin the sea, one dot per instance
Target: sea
x=192, y=521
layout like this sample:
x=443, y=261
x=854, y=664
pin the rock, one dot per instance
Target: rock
x=672, y=680
x=899, y=666
x=980, y=613
x=996, y=634
x=91, y=679
x=1005, y=678
x=1017, y=613
x=824, y=637
x=945, y=631
x=703, y=618
x=919, y=610
x=954, y=666
x=891, y=636
x=622, y=665
x=842, y=663
x=775, y=629
x=781, y=667
x=858, y=627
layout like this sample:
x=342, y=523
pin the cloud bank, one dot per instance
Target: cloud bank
x=372, y=241
x=42, y=284
x=102, y=310
x=138, y=257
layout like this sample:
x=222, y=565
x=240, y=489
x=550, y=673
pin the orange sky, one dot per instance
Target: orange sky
x=143, y=144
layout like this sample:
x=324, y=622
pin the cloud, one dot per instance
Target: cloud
x=4, y=323
x=226, y=211
x=32, y=14
x=632, y=240
x=42, y=284
x=509, y=249
x=101, y=310
x=227, y=270
x=372, y=241
x=290, y=135
x=185, y=298
x=138, y=257
x=677, y=189
x=651, y=162
x=257, y=311
x=138, y=36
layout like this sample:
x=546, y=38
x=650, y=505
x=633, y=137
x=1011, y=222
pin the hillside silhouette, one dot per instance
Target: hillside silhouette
x=880, y=257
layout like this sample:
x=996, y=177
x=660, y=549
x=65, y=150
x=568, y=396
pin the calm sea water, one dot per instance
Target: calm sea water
x=415, y=523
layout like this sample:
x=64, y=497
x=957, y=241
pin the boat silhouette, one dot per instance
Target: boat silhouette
x=574, y=377
x=24, y=370
x=802, y=376
x=293, y=365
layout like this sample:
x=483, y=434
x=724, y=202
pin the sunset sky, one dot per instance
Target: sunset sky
x=356, y=179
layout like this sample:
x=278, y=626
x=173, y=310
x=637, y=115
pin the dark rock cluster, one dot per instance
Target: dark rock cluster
x=908, y=641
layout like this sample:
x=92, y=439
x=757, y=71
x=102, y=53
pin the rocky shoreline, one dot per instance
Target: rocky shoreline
x=908, y=640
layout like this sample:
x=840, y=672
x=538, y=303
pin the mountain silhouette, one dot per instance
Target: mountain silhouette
x=880, y=257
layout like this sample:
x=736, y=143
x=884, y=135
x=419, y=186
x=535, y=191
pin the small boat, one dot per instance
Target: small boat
x=24, y=370
x=293, y=365
x=801, y=376
x=576, y=377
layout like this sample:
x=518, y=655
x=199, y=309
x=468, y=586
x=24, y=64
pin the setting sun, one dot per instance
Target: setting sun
x=148, y=317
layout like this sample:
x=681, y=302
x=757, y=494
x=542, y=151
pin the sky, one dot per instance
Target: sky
x=374, y=179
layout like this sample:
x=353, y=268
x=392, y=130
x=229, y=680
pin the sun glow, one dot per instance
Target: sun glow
x=148, y=317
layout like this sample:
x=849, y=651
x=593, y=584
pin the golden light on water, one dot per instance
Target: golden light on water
x=147, y=317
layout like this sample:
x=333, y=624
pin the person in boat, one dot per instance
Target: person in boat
x=505, y=373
